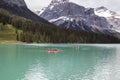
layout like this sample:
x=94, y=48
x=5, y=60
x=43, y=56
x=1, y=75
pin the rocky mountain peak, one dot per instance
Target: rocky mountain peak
x=58, y=1
x=71, y=15
x=102, y=8
x=104, y=12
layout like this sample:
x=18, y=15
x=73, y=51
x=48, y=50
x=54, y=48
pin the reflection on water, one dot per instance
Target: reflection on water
x=35, y=73
x=73, y=62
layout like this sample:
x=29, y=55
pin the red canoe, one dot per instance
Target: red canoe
x=52, y=50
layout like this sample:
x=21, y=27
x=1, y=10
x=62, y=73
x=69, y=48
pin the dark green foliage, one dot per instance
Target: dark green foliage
x=20, y=11
x=7, y=32
x=30, y=31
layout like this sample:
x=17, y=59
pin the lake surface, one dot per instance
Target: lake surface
x=72, y=62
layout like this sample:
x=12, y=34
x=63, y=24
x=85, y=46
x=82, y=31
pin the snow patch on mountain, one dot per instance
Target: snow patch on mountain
x=51, y=7
x=55, y=2
x=65, y=18
x=39, y=11
x=104, y=12
x=112, y=17
x=71, y=15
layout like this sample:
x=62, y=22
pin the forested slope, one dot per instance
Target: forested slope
x=32, y=31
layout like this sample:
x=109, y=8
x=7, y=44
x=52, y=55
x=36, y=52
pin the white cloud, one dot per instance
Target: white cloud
x=110, y=4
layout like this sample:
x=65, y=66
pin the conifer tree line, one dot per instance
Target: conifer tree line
x=30, y=32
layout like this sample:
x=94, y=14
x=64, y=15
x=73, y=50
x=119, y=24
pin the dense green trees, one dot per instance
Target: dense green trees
x=1, y=26
x=30, y=31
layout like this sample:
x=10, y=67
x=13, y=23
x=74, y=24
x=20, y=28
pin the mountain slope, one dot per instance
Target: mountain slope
x=112, y=17
x=18, y=7
x=31, y=29
x=7, y=32
x=71, y=15
x=39, y=11
x=104, y=12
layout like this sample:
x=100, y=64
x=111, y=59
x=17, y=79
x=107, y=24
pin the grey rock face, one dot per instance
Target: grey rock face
x=70, y=15
x=112, y=17
x=62, y=9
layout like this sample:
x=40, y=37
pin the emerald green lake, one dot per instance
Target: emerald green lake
x=72, y=62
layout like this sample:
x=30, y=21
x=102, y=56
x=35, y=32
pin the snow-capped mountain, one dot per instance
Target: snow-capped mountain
x=104, y=12
x=70, y=15
x=112, y=17
x=39, y=11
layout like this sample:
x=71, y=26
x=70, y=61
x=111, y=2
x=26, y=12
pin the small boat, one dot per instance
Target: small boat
x=52, y=50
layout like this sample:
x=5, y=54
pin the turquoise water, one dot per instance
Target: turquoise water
x=72, y=62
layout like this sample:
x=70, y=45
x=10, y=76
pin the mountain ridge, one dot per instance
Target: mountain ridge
x=31, y=31
x=22, y=10
x=71, y=15
x=78, y=16
x=104, y=12
x=112, y=17
x=16, y=2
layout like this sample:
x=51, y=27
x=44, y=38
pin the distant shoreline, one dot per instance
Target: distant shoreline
x=11, y=42
x=19, y=42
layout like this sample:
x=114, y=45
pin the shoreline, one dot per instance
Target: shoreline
x=11, y=42
x=19, y=42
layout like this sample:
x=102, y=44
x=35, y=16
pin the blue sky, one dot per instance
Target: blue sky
x=110, y=4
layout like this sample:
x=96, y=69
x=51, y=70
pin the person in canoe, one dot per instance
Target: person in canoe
x=52, y=50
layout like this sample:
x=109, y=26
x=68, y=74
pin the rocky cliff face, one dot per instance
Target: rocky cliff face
x=71, y=15
x=112, y=17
